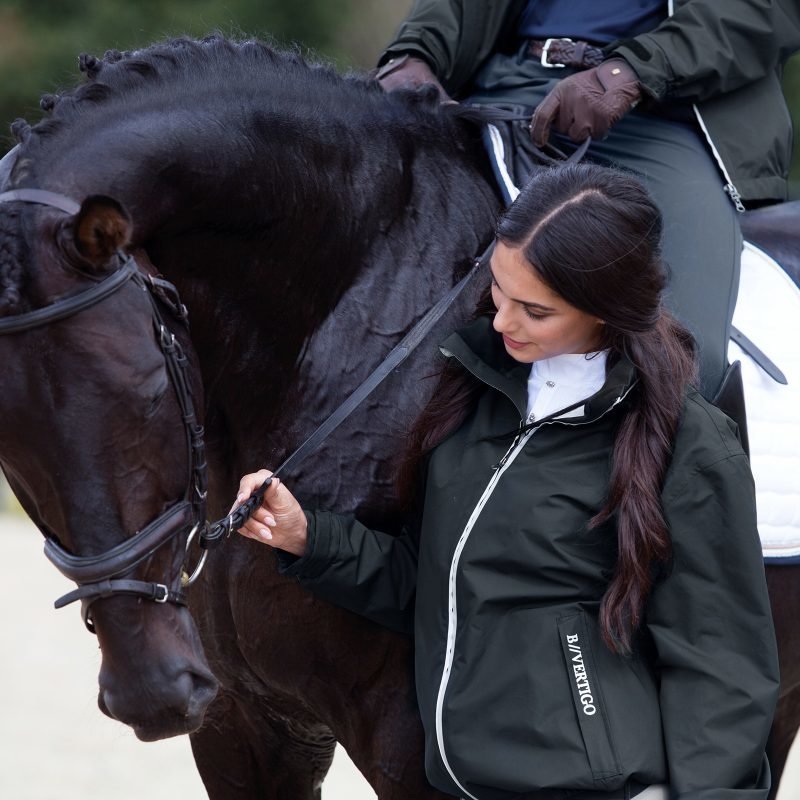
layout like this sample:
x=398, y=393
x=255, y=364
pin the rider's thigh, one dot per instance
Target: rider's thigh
x=702, y=239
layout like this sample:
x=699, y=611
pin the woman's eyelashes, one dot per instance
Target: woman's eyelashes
x=533, y=314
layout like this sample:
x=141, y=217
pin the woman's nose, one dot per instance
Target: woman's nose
x=502, y=318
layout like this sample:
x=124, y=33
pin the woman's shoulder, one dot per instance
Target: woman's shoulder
x=706, y=437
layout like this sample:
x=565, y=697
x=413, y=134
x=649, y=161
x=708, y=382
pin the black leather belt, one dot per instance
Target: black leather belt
x=565, y=52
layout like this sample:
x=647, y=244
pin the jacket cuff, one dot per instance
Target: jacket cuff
x=316, y=556
x=414, y=52
x=421, y=43
x=648, y=61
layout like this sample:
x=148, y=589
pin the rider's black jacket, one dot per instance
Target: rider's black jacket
x=501, y=585
x=725, y=57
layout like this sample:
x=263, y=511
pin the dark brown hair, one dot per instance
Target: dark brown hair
x=593, y=235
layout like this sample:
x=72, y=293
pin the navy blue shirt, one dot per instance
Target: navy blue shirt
x=598, y=21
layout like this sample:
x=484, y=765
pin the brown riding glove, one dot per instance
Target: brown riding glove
x=407, y=72
x=587, y=103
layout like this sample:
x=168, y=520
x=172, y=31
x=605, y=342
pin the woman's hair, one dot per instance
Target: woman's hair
x=593, y=235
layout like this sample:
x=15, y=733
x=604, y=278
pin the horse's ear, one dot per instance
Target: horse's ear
x=101, y=228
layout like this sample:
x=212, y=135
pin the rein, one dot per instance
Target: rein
x=223, y=528
x=101, y=575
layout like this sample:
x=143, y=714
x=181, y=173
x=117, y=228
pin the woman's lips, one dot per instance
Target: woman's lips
x=514, y=345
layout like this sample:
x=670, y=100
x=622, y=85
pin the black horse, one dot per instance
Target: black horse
x=308, y=220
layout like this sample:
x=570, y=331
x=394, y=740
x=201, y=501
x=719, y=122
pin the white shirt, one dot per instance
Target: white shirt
x=558, y=382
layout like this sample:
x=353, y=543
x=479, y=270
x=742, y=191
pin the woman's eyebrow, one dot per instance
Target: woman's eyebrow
x=526, y=303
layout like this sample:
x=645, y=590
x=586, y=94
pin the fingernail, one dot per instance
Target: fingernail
x=240, y=497
x=269, y=521
x=265, y=534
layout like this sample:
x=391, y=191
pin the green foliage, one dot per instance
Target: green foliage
x=40, y=40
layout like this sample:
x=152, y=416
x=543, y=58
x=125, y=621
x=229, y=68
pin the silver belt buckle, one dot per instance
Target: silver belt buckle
x=546, y=49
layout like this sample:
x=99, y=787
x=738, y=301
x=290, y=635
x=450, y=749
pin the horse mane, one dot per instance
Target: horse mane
x=166, y=74
x=205, y=78
x=12, y=257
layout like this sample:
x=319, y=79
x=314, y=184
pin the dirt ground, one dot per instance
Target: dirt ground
x=54, y=742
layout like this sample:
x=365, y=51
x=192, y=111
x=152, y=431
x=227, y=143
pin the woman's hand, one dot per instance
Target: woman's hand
x=279, y=521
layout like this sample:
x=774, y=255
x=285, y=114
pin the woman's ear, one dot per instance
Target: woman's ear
x=100, y=229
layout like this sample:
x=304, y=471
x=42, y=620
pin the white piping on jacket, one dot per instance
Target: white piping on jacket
x=452, y=613
x=730, y=188
x=452, y=617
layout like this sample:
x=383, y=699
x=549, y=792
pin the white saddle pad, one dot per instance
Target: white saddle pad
x=768, y=313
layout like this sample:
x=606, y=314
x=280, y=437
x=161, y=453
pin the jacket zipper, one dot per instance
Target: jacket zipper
x=452, y=618
x=730, y=188
x=508, y=460
x=501, y=463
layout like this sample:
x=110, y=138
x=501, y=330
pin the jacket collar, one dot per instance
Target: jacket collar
x=479, y=348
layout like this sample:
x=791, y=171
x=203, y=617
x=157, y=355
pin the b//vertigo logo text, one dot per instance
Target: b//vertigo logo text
x=581, y=681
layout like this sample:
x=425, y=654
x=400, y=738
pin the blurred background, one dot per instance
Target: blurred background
x=40, y=39
x=54, y=743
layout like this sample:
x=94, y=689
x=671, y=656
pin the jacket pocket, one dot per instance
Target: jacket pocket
x=587, y=698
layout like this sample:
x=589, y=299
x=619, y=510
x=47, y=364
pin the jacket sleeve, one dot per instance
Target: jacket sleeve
x=366, y=571
x=711, y=624
x=455, y=37
x=710, y=47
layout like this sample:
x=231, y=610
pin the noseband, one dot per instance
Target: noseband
x=102, y=575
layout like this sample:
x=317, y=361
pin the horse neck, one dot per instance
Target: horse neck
x=266, y=235
x=333, y=288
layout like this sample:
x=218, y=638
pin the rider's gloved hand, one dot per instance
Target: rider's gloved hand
x=587, y=103
x=407, y=72
x=279, y=521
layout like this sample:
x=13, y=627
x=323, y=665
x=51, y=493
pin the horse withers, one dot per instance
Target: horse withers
x=307, y=220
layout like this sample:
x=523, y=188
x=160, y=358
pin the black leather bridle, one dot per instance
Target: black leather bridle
x=105, y=574
x=100, y=576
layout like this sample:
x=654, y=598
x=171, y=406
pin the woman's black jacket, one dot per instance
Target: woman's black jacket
x=501, y=585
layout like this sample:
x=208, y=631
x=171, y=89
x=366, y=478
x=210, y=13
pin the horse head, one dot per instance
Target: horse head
x=96, y=398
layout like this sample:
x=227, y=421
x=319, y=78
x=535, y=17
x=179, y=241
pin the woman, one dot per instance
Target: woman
x=585, y=579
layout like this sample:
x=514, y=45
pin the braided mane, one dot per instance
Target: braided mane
x=12, y=258
x=184, y=72
x=235, y=91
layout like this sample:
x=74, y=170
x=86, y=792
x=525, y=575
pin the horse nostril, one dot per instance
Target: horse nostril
x=205, y=687
x=175, y=707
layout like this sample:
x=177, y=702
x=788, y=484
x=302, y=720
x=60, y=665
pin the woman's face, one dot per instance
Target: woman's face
x=534, y=321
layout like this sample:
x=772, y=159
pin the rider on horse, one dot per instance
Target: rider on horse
x=693, y=72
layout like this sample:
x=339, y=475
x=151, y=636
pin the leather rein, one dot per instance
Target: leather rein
x=104, y=575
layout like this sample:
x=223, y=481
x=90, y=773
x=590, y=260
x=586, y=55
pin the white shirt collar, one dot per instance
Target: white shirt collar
x=561, y=381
